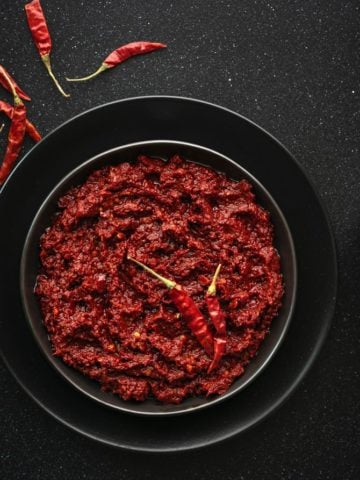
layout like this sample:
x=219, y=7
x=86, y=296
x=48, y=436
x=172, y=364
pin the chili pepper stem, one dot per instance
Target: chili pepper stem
x=101, y=69
x=2, y=127
x=212, y=287
x=168, y=283
x=46, y=61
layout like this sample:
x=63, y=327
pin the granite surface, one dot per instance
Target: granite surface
x=289, y=65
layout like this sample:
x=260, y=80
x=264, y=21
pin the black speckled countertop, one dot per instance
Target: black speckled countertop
x=294, y=68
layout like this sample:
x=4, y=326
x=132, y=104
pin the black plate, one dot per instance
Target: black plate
x=191, y=121
x=30, y=267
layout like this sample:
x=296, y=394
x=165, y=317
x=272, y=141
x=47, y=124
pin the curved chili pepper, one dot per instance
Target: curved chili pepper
x=218, y=319
x=15, y=137
x=188, y=309
x=41, y=36
x=120, y=55
x=4, y=83
x=30, y=128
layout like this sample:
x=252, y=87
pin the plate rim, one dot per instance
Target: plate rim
x=326, y=323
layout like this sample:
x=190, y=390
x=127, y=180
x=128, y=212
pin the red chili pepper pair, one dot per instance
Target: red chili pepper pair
x=41, y=35
x=17, y=128
x=19, y=123
x=195, y=320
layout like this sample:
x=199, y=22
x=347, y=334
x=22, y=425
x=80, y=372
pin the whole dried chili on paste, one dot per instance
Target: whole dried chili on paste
x=216, y=314
x=120, y=55
x=5, y=84
x=40, y=33
x=188, y=309
x=16, y=132
x=218, y=319
x=30, y=128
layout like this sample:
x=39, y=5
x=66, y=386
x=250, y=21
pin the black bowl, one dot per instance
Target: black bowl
x=30, y=267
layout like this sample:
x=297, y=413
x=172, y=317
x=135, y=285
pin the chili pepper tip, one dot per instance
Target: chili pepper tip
x=219, y=350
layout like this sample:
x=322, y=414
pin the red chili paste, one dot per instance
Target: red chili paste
x=113, y=321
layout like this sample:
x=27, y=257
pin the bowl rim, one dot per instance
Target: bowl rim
x=56, y=363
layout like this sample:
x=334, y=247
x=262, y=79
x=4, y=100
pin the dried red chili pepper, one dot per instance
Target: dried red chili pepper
x=216, y=314
x=218, y=319
x=30, y=128
x=16, y=134
x=188, y=309
x=40, y=33
x=4, y=83
x=120, y=55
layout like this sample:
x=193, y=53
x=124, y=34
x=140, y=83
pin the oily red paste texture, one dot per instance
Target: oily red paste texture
x=114, y=322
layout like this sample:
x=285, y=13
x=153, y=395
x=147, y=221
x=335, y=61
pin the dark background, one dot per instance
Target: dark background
x=291, y=66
